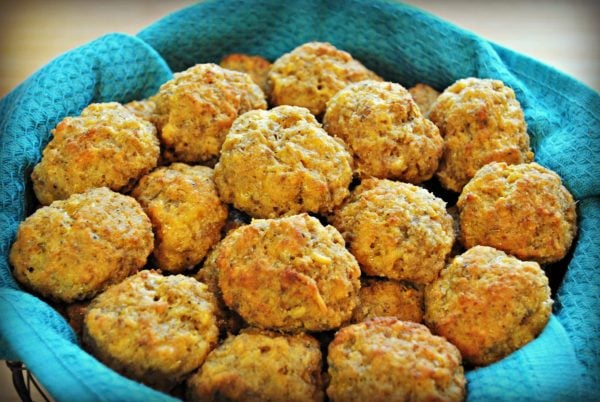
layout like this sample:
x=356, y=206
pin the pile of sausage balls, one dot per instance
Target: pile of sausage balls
x=267, y=232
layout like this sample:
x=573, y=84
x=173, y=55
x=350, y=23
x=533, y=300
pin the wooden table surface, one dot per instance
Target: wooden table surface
x=561, y=33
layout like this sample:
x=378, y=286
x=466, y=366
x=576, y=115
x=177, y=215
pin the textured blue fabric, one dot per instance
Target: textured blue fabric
x=399, y=42
x=115, y=67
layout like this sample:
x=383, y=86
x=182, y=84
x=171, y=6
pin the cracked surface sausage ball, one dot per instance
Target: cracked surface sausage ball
x=290, y=274
x=385, y=298
x=186, y=213
x=396, y=230
x=385, y=131
x=75, y=248
x=385, y=359
x=281, y=162
x=488, y=304
x=152, y=328
x=260, y=366
x=197, y=107
x=523, y=210
x=255, y=66
x=311, y=74
x=106, y=145
x=481, y=122
x=424, y=96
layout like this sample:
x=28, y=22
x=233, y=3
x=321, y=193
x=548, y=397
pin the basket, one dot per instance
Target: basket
x=399, y=42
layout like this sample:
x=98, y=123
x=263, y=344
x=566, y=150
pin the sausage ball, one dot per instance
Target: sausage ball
x=197, y=107
x=258, y=366
x=281, y=162
x=481, y=122
x=290, y=274
x=523, y=210
x=384, y=298
x=106, y=146
x=488, y=304
x=75, y=248
x=186, y=213
x=396, y=230
x=255, y=66
x=424, y=96
x=152, y=328
x=311, y=74
x=385, y=131
x=385, y=359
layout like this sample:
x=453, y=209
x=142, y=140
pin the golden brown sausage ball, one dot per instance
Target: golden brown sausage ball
x=186, y=213
x=258, y=366
x=255, y=66
x=384, y=298
x=481, y=122
x=290, y=274
x=385, y=131
x=152, y=328
x=385, y=359
x=106, y=146
x=281, y=162
x=197, y=107
x=75, y=248
x=424, y=96
x=488, y=304
x=228, y=321
x=523, y=210
x=396, y=230
x=311, y=74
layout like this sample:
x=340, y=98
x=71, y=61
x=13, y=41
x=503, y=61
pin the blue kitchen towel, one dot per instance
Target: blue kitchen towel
x=114, y=67
x=399, y=42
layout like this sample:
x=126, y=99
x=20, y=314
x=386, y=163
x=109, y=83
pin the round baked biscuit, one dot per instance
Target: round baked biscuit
x=228, y=321
x=106, y=145
x=385, y=131
x=197, y=107
x=481, y=122
x=424, y=96
x=186, y=213
x=152, y=328
x=523, y=210
x=385, y=359
x=281, y=162
x=396, y=230
x=257, y=366
x=385, y=298
x=256, y=67
x=290, y=274
x=76, y=247
x=488, y=304
x=311, y=74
